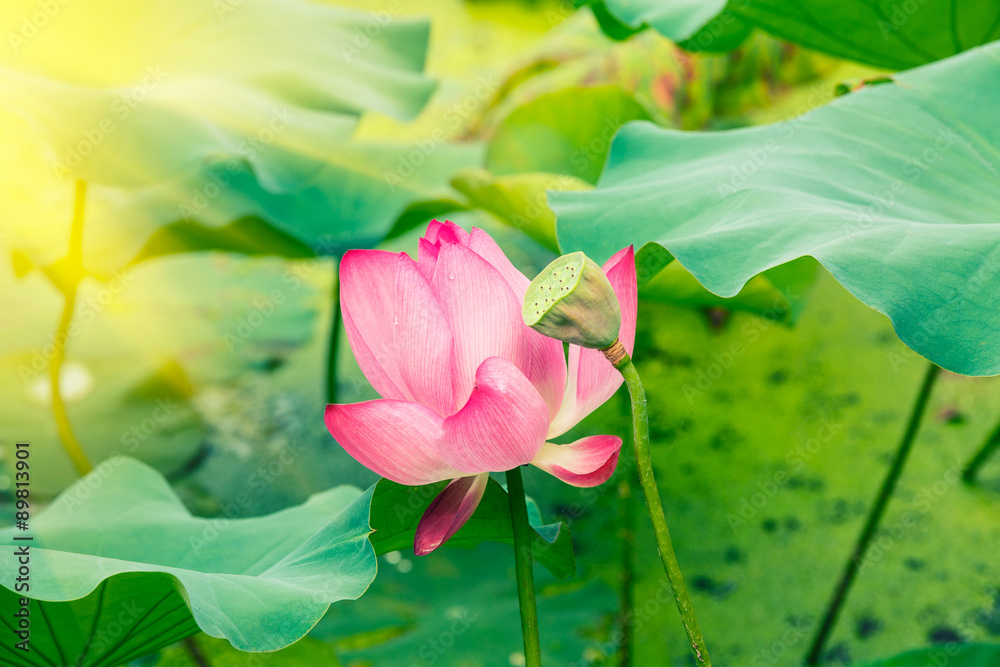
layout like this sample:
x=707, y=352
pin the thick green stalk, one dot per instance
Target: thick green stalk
x=74, y=267
x=874, y=517
x=989, y=448
x=523, y=563
x=644, y=462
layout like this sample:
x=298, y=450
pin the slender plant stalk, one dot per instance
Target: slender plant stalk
x=989, y=448
x=522, y=561
x=874, y=517
x=74, y=265
x=640, y=423
x=626, y=532
x=194, y=651
x=73, y=276
x=334, y=340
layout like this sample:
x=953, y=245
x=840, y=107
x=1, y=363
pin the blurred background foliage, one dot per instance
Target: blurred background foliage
x=775, y=411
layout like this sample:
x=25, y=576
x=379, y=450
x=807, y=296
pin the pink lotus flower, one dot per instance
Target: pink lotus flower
x=467, y=388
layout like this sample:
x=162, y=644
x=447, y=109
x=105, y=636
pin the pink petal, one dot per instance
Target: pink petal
x=502, y=426
x=367, y=281
x=586, y=462
x=548, y=370
x=483, y=313
x=548, y=362
x=427, y=254
x=446, y=232
x=483, y=245
x=449, y=512
x=423, y=341
x=394, y=439
x=592, y=379
x=397, y=328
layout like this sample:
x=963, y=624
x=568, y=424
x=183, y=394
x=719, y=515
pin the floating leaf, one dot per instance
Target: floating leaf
x=396, y=510
x=120, y=568
x=902, y=207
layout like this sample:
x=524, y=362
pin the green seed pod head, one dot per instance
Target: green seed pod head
x=571, y=300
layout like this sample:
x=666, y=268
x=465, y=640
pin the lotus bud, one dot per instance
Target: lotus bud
x=571, y=300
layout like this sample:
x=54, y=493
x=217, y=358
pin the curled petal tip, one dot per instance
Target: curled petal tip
x=449, y=512
x=587, y=462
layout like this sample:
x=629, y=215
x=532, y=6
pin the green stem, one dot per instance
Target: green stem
x=194, y=651
x=334, y=340
x=874, y=517
x=989, y=448
x=644, y=462
x=626, y=531
x=522, y=561
x=74, y=270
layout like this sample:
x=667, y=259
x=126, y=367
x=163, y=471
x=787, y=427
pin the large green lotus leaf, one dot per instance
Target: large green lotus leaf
x=131, y=93
x=121, y=541
x=895, y=35
x=564, y=132
x=396, y=510
x=891, y=188
x=956, y=655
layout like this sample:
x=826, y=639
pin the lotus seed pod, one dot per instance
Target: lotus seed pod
x=571, y=300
